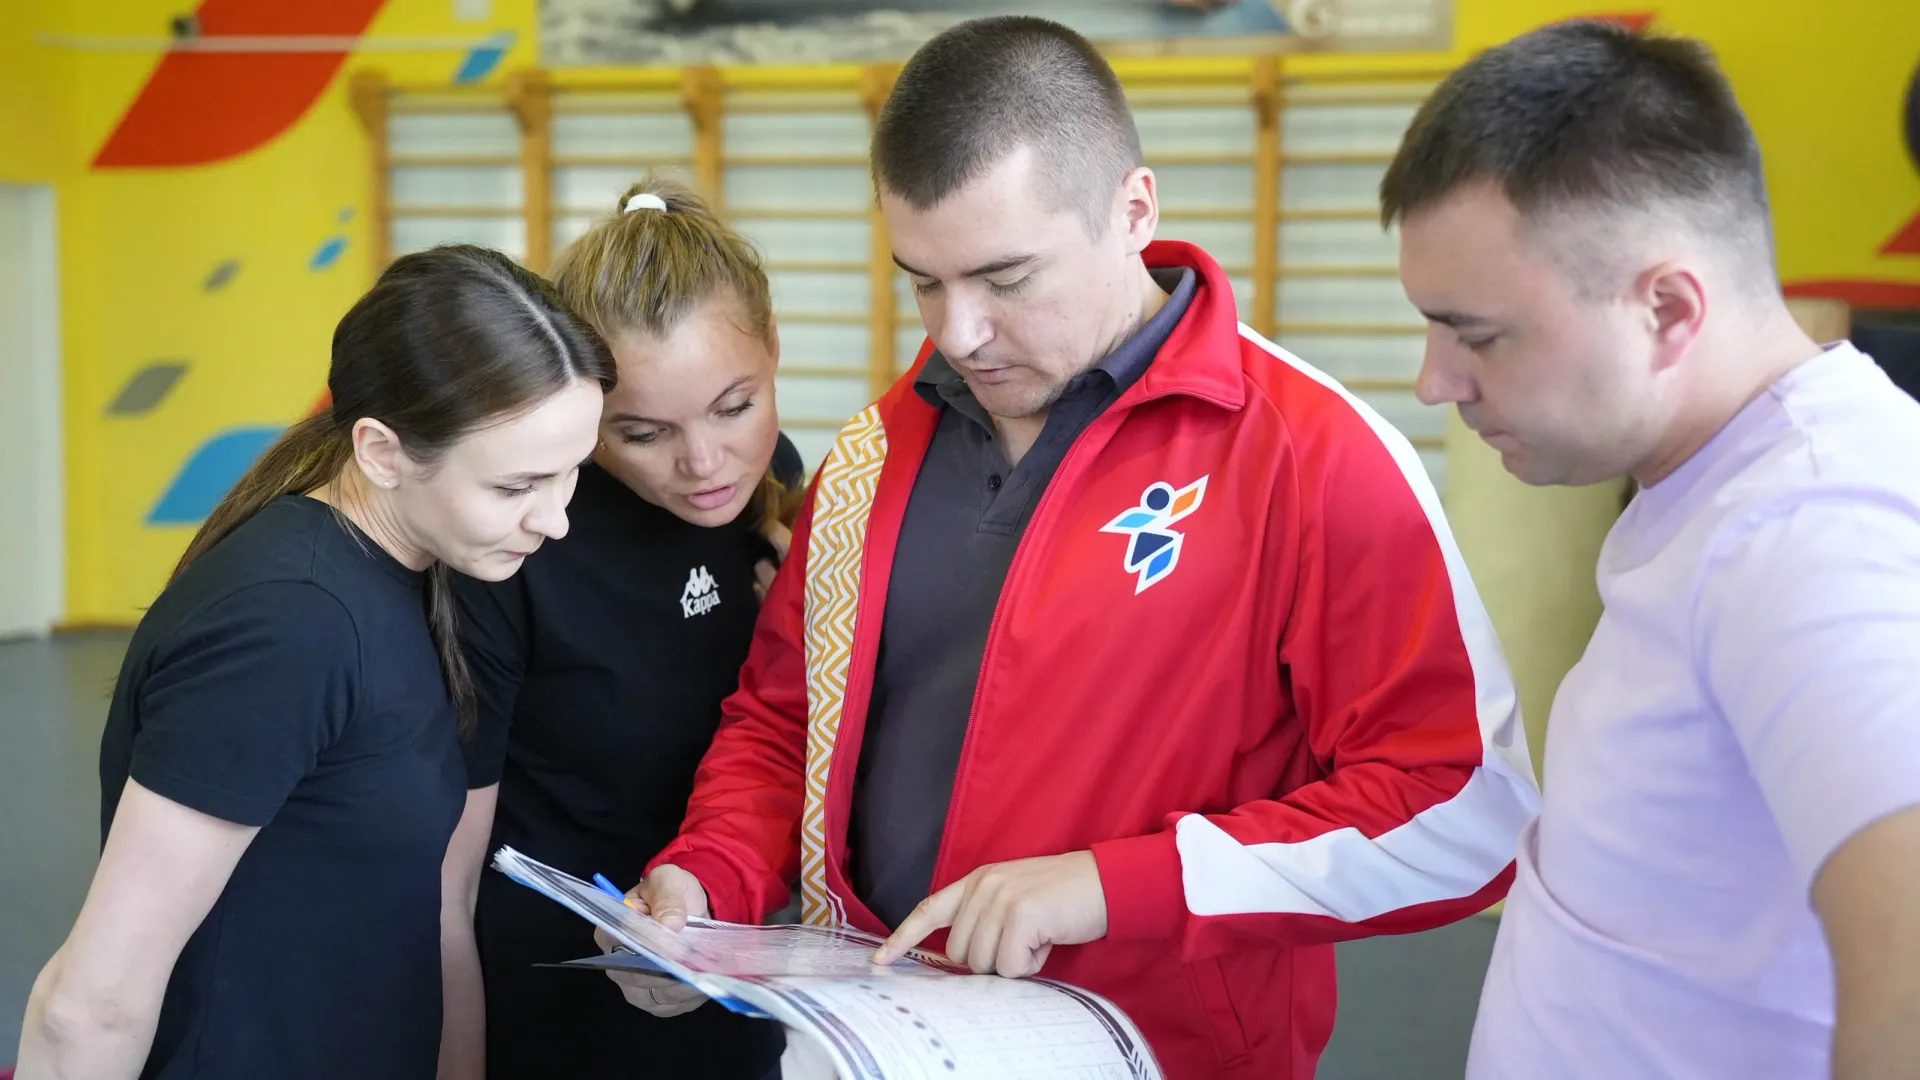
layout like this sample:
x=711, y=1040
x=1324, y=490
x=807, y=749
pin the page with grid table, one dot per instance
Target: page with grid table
x=920, y=1017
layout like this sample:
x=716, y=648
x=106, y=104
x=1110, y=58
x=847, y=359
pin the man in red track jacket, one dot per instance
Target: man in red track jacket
x=1113, y=637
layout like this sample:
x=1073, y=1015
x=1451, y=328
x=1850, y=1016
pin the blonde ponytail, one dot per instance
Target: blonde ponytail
x=646, y=268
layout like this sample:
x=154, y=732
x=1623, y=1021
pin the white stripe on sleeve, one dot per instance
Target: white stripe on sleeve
x=1449, y=850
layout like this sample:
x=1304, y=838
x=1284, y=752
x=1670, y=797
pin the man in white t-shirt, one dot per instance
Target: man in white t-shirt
x=1724, y=879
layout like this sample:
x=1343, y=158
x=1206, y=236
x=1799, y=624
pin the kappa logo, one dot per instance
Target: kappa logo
x=1154, y=549
x=701, y=595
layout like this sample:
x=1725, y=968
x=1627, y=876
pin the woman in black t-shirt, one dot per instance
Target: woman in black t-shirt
x=601, y=668
x=280, y=772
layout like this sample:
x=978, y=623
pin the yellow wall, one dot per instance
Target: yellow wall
x=36, y=129
x=1823, y=87
x=138, y=244
x=1824, y=96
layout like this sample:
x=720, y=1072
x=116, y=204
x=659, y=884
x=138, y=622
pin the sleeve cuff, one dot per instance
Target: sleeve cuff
x=204, y=798
x=484, y=773
x=725, y=899
x=1141, y=877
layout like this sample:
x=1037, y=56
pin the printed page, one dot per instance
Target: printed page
x=705, y=947
x=973, y=1027
x=718, y=948
x=915, y=1018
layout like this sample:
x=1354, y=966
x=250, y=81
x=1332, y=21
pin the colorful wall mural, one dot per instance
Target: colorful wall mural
x=212, y=231
x=213, y=208
x=575, y=32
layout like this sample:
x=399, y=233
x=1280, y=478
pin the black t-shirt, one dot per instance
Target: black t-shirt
x=287, y=681
x=600, y=669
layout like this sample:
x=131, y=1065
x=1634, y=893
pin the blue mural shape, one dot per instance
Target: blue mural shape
x=210, y=473
x=332, y=247
x=328, y=254
x=483, y=58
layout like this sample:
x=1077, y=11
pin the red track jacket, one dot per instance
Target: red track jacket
x=1237, y=656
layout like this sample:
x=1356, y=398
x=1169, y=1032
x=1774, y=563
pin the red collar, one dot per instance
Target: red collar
x=1202, y=356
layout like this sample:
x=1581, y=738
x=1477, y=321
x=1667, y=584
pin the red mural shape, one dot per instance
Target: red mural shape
x=1636, y=21
x=1906, y=241
x=1860, y=292
x=202, y=107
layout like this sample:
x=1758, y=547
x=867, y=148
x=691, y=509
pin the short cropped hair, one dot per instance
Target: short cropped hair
x=1588, y=115
x=982, y=89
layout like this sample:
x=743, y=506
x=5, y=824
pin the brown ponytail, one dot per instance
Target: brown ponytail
x=648, y=269
x=443, y=626
x=447, y=341
x=307, y=455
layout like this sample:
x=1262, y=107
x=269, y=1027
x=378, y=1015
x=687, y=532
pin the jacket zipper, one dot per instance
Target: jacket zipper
x=993, y=628
x=1120, y=409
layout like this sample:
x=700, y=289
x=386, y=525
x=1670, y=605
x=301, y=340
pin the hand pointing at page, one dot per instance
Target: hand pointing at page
x=1007, y=917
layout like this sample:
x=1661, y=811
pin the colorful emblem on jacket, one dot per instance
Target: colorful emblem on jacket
x=1154, y=549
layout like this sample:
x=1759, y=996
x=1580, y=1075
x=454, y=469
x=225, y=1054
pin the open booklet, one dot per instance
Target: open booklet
x=919, y=1017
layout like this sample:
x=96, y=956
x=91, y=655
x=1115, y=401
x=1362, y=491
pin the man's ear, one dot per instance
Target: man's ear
x=1137, y=208
x=1676, y=309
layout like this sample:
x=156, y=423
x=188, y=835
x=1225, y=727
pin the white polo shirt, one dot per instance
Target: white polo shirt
x=1749, y=701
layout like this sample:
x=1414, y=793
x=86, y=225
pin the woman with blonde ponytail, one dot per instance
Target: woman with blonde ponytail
x=280, y=771
x=600, y=670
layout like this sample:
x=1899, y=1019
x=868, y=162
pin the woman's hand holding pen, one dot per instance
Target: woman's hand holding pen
x=671, y=896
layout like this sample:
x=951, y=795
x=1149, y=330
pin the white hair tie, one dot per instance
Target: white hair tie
x=644, y=200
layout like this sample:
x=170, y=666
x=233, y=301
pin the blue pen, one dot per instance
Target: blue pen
x=600, y=882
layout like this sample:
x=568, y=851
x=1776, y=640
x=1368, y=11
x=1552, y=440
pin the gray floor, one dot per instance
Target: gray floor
x=1406, y=1004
